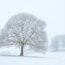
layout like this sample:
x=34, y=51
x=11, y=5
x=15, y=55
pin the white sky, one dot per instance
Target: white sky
x=51, y=11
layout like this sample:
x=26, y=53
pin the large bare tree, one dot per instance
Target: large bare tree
x=25, y=29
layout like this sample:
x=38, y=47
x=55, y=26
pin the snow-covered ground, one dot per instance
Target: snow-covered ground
x=50, y=58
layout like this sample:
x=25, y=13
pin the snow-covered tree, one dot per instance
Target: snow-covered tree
x=25, y=29
x=58, y=42
x=54, y=44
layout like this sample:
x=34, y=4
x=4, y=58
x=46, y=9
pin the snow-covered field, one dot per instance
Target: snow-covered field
x=50, y=58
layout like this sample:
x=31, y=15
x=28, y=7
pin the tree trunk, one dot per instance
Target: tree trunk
x=21, y=52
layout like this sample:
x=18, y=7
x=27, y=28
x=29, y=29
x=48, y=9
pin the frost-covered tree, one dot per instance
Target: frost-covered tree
x=25, y=29
x=58, y=42
x=54, y=44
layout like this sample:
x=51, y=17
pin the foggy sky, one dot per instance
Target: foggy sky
x=51, y=11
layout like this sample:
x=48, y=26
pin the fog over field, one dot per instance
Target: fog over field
x=52, y=12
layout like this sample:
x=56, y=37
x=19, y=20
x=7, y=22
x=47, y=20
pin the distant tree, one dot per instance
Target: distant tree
x=63, y=41
x=58, y=43
x=25, y=29
x=54, y=44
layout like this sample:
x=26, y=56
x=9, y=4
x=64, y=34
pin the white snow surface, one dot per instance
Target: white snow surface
x=31, y=58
